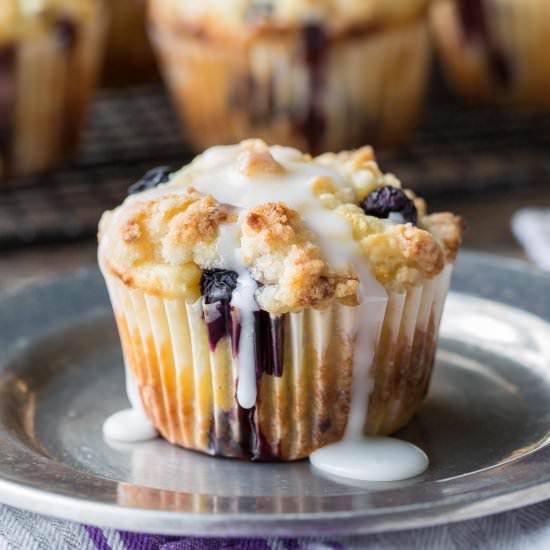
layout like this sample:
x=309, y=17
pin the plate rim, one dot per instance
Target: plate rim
x=296, y=524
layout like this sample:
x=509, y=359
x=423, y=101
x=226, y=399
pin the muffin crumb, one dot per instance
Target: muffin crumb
x=258, y=163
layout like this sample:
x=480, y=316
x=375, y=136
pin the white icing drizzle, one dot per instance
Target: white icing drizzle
x=372, y=308
x=244, y=301
x=227, y=246
x=223, y=179
x=371, y=459
x=217, y=173
x=378, y=458
x=357, y=456
x=129, y=426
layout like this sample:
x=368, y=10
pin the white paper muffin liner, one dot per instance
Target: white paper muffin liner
x=188, y=389
x=368, y=87
x=50, y=87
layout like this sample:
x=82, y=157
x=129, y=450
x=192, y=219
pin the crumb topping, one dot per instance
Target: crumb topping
x=297, y=221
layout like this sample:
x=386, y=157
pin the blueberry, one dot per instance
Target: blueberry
x=217, y=285
x=387, y=200
x=151, y=179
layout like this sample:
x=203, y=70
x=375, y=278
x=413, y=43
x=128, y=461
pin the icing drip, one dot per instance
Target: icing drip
x=371, y=459
x=243, y=300
x=335, y=240
x=380, y=458
x=130, y=425
x=372, y=308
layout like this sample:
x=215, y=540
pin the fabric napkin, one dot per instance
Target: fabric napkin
x=531, y=227
x=525, y=529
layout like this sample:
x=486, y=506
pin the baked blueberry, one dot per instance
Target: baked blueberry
x=151, y=179
x=387, y=200
x=217, y=285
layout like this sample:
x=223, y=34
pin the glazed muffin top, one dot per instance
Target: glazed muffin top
x=307, y=230
x=239, y=19
x=26, y=18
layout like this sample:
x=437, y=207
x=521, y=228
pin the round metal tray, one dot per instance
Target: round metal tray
x=485, y=424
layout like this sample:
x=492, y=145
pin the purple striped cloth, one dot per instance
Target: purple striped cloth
x=136, y=541
x=524, y=529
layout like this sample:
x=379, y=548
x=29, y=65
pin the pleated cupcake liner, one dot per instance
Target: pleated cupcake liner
x=496, y=54
x=184, y=360
x=47, y=81
x=332, y=95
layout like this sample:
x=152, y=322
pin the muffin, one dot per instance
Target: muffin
x=49, y=57
x=319, y=76
x=268, y=301
x=494, y=50
x=129, y=58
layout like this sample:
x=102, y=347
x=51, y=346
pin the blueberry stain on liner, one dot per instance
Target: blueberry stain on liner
x=269, y=344
x=474, y=17
x=313, y=124
x=217, y=286
x=222, y=320
x=252, y=442
x=8, y=62
x=67, y=32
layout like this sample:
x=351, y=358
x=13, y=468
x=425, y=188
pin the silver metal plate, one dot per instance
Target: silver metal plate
x=485, y=424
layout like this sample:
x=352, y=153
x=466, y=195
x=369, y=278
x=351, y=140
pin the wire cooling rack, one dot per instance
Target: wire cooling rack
x=456, y=150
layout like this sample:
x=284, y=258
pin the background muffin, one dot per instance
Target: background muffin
x=323, y=75
x=49, y=57
x=261, y=329
x=129, y=58
x=495, y=49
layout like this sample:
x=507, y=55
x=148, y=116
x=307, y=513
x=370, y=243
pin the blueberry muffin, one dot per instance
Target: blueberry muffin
x=129, y=58
x=494, y=50
x=49, y=57
x=319, y=76
x=268, y=301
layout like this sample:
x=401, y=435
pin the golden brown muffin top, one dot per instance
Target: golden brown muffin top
x=238, y=19
x=292, y=221
x=27, y=18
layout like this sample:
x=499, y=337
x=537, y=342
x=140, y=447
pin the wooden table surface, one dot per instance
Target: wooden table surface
x=487, y=216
